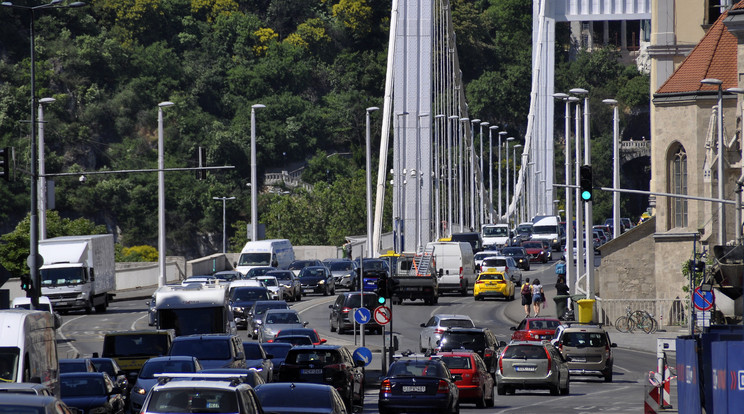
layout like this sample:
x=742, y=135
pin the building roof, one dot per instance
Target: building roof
x=714, y=57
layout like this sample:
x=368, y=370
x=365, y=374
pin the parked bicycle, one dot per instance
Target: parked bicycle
x=639, y=319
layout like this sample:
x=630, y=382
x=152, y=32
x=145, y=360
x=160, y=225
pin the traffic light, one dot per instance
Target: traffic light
x=585, y=182
x=382, y=289
x=26, y=283
x=5, y=163
x=699, y=266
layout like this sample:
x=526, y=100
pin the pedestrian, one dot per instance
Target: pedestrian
x=526, y=297
x=561, y=287
x=538, y=296
x=560, y=267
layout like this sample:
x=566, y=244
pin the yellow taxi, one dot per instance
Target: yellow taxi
x=493, y=284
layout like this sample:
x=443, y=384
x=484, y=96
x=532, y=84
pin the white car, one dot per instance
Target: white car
x=480, y=256
x=200, y=280
x=504, y=264
x=433, y=328
x=272, y=284
x=201, y=393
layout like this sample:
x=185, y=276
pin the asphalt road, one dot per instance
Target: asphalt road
x=82, y=335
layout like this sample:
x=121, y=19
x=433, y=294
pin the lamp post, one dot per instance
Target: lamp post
x=450, y=149
x=42, y=171
x=161, y=196
x=615, y=167
x=471, y=180
x=417, y=175
x=369, y=179
x=588, y=218
x=514, y=177
x=482, y=187
x=33, y=257
x=460, y=175
x=569, y=191
x=437, y=178
x=490, y=171
x=740, y=181
x=508, y=216
x=721, y=178
x=224, y=227
x=399, y=175
x=254, y=177
x=502, y=136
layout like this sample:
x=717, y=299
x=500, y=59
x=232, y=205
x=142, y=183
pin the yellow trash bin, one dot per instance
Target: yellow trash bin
x=586, y=310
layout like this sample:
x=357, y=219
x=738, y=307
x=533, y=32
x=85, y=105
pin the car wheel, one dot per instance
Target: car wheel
x=481, y=403
x=500, y=389
x=385, y=410
x=490, y=401
x=565, y=390
x=554, y=390
x=298, y=297
x=360, y=401
x=333, y=328
x=464, y=290
x=608, y=375
x=326, y=291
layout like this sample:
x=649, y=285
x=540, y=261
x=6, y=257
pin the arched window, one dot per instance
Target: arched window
x=678, y=182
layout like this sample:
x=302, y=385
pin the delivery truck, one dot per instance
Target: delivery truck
x=78, y=272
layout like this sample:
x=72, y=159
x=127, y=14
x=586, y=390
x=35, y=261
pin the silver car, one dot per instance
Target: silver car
x=275, y=320
x=433, y=328
x=344, y=271
x=532, y=365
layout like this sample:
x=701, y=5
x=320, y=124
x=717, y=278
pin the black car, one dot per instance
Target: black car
x=256, y=312
x=241, y=300
x=326, y=364
x=91, y=392
x=109, y=366
x=283, y=397
x=480, y=340
x=421, y=385
x=472, y=237
x=298, y=265
x=290, y=283
x=257, y=358
x=276, y=351
x=317, y=279
x=520, y=256
x=341, y=317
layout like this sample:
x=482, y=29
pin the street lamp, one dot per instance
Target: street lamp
x=460, y=174
x=740, y=181
x=224, y=232
x=450, y=149
x=490, y=170
x=514, y=176
x=588, y=216
x=471, y=180
x=369, y=180
x=502, y=136
x=482, y=187
x=437, y=177
x=721, y=178
x=161, y=196
x=33, y=257
x=42, y=171
x=615, y=167
x=418, y=177
x=569, y=191
x=254, y=177
x=399, y=173
x=508, y=216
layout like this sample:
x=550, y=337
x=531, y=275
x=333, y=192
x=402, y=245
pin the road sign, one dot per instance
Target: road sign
x=362, y=315
x=702, y=318
x=382, y=315
x=363, y=354
x=703, y=300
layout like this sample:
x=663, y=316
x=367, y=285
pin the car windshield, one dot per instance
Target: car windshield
x=457, y=362
x=277, y=351
x=298, y=265
x=302, y=399
x=582, y=339
x=370, y=301
x=372, y=264
x=250, y=294
x=546, y=324
x=252, y=350
x=494, y=263
x=533, y=245
x=417, y=369
x=456, y=323
x=261, y=309
x=193, y=400
x=255, y=259
x=62, y=276
x=203, y=349
x=491, y=276
x=511, y=251
x=257, y=271
x=82, y=387
x=282, y=318
x=525, y=352
x=495, y=232
x=307, y=356
x=151, y=368
x=294, y=340
x=72, y=366
x=269, y=281
x=341, y=266
x=280, y=275
x=312, y=272
x=544, y=230
x=472, y=341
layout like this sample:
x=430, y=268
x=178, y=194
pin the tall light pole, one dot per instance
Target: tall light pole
x=437, y=177
x=502, y=136
x=460, y=174
x=580, y=247
x=514, y=176
x=740, y=181
x=161, y=196
x=588, y=217
x=508, y=216
x=369, y=178
x=42, y=171
x=254, y=175
x=482, y=175
x=418, y=176
x=224, y=227
x=450, y=154
x=719, y=143
x=615, y=167
x=33, y=257
x=490, y=171
x=472, y=179
x=569, y=191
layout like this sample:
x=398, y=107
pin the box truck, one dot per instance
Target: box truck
x=77, y=272
x=275, y=253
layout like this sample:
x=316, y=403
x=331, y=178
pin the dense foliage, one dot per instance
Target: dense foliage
x=315, y=64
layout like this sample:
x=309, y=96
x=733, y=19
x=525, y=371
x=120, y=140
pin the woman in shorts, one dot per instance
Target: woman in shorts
x=538, y=296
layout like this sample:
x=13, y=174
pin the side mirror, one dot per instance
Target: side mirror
x=235, y=264
x=322, y=341
x=330, y=306
x=274, y=264
x=358, y=363
x=502, y=344
x=423, y=325
x=305, y=323
x=513, y=328
x=613, y=345
x=441, y=272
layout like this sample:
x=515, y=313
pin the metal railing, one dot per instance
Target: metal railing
x=667, y=312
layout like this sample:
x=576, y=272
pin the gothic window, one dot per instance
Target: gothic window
x=678, y=181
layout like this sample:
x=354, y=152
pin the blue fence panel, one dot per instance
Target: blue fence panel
x=719, y=376
x=716, y=333
x=735, y=376
x=688, y=386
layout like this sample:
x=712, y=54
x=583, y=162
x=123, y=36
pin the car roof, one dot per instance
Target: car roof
x=189, y=383
x=459, y=353
x=82, y=374
x=464, y=330
x=311, y=347
x=29, y=400
x=281, y=311
x=452, y=316
x=197, y=337
x=171, y=358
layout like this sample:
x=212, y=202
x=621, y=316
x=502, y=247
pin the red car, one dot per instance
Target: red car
x=312, y=333
x=471, y=376
x=535, y=329
x=536, y=251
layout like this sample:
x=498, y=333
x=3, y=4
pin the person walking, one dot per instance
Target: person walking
x=526, y=297
x=538, y=296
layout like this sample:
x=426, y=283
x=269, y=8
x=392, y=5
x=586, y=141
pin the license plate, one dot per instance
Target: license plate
x=525, y=369
x=62, y=303
x=577, y=359
x=311, y=371
x=414, y=388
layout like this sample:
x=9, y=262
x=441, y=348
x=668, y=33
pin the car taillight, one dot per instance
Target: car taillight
x=550, y=360
x=385, y=386
x=443, y=387
x=460, y=272
x=439, y=330
x=478, y=282
x=501, y=365
x=488, y=353
x=474, y=379
x=607, y=351
x=345, y=310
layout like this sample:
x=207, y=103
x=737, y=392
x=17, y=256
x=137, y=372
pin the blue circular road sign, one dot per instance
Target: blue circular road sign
x=362, y=315
x=363, y=354
x=703, y=300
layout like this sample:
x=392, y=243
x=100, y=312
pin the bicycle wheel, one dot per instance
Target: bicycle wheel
x=622, y=324
x=644, y=321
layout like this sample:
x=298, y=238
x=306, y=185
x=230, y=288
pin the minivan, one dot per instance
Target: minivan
x=455, y=265
x=548, y=228
x=276, y=253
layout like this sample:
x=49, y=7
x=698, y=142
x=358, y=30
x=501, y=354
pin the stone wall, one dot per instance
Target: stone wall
x=627, y=268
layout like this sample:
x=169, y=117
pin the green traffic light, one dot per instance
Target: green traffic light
x=586, y=195
x=381, y=300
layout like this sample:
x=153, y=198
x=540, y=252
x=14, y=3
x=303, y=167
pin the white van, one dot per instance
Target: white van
x=28, y=348
x=548, y=228
x=496, y=235
x=455, y=265
x=23, y=302
x=275, y=253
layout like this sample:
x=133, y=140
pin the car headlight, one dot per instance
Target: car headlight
x=139, y=390
x=320, y=282
x=238, y=309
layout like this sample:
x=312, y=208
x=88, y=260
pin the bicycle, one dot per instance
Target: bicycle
x=645, y=321
x=625, y=323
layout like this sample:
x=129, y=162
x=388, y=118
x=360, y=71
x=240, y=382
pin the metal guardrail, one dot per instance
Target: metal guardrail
x=668, y=312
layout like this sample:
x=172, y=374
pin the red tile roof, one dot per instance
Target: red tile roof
x=713, y=57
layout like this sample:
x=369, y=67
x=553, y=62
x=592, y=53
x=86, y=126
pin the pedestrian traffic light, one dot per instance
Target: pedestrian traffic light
x=5, y=163
x=26, y=283
x=585, y=182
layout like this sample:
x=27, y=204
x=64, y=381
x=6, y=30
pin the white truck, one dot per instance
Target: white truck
x=496, y=235
x=274, y=253
x=78, y=272
x=194, y=309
